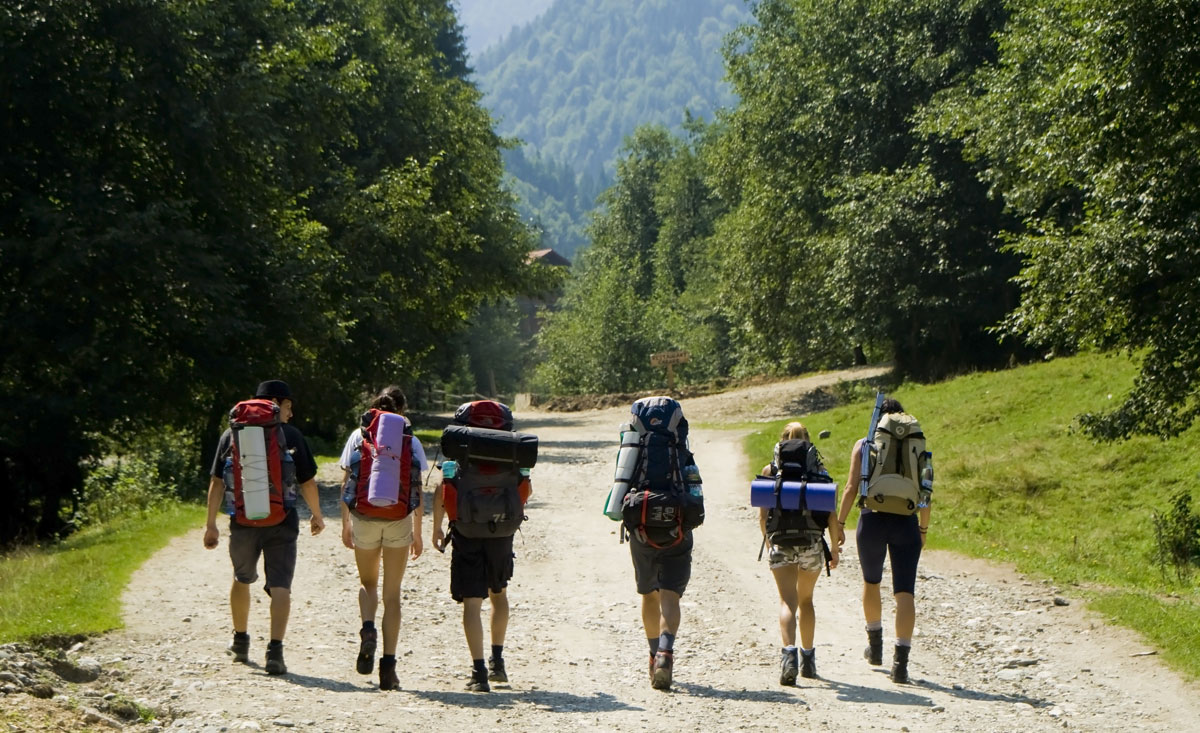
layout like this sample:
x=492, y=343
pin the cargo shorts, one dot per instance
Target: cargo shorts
x=277, y=546
x=809, y=557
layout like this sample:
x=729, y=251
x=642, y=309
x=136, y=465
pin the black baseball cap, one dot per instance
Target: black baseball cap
x=274, y=389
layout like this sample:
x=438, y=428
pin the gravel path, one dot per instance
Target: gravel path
x=993, y=651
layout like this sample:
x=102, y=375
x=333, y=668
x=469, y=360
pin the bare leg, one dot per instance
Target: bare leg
x=668, y=601
x=651, y=615
x=786, y=580
x=499, y=616
x=239, y=605
x=906, y=615
x=806, y=580
x=281, y=606
x=368, y=577
x=395, y=561
x=871, y=603
x=473, y=626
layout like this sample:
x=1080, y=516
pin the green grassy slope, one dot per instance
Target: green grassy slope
x=1015, y=482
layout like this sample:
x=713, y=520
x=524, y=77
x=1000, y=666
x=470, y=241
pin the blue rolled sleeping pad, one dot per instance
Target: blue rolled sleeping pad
x=820, y=497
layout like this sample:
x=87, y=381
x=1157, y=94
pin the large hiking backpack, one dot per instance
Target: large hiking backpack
x=260, y=476
x=796, y=461
x=665, y=499
x=485, y=482
x=897, y=455
x=385, y=480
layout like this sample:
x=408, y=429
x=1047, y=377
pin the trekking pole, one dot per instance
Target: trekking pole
x=761, y=547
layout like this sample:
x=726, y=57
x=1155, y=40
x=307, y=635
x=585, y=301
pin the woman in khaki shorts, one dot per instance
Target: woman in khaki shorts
x=375, y=539
x=796, y=570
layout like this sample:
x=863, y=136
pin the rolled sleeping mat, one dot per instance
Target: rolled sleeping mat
x=383, y=487
x=465, y=443
x=819, y=497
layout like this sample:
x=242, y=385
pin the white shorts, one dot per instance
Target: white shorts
x=370, y=532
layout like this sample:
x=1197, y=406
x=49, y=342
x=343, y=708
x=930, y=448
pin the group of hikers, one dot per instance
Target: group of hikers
x=263, y=463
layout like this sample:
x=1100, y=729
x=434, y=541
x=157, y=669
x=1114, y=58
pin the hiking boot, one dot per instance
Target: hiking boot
x=275, y=663
x=479, y=682
x=387, y=675
x=496, y=671
x=874, y=651
x=660, y=678
x=900, y=665
x=240, y=647
x=788, y=667
x=366, y=651
x=808, y=664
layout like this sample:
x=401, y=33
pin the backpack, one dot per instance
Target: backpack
x=485, y=484
x=897, y=455
x=260, y=476
x=385, y=480
x=799, y=461
x=665, y=500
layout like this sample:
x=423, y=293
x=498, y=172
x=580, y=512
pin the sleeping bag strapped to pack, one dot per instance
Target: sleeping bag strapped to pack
x=897, y=455
x=485, y=482
x=665, y=499
x=798, y=464
x=385, y=479
x=260, y=476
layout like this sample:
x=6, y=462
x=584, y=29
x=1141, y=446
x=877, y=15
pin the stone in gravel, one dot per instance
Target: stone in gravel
x=284, y=723
x=42, y=690
x=95, y=716
x=1060, y=601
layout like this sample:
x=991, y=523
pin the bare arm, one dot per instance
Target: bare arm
x=216, y=496
x=438, y=537
x=308, y=490
x=850, y=493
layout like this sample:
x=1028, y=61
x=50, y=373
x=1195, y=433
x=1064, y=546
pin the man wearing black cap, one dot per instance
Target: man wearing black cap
x=276, y=543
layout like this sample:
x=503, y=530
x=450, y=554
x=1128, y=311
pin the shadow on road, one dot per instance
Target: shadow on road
x=547, y=700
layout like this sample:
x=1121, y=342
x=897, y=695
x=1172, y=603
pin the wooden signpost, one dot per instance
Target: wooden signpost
x=669, y=359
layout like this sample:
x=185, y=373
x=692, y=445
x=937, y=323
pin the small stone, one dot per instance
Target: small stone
x=938, y=709
x=1060, y=601
x=284, y=723
x=824, y=434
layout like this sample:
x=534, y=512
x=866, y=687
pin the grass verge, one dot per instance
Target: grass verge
x=1014, y=481
x=75, y=587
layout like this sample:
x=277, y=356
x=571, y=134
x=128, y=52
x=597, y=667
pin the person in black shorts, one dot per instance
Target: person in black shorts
x=276, y=543
x=881, y=535
x=480, y=567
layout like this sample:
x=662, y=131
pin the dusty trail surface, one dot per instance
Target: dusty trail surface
x=993, y=651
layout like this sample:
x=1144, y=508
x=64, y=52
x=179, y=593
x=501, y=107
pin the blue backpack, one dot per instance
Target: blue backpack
x=665, y=499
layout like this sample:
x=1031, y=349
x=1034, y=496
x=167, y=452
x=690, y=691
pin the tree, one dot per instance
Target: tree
x=1088, y=126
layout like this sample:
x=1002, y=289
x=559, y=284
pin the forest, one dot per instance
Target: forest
x=195, y=197
x=198, y=196
x=570, y=86
x=950, y=185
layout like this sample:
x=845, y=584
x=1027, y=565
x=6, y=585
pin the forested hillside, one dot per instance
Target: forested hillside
x=951, y=186
x=574, y=83
x=200, y=196
x=485, y=22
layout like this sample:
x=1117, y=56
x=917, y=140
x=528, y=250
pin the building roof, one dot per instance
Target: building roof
x=548, y=256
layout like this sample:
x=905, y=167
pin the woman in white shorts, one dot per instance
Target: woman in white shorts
x=796, y=569
x=380, y=538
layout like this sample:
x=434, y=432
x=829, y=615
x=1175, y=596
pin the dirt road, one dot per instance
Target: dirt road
x=993, y=651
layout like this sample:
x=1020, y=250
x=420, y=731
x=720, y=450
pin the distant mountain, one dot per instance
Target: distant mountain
x=578, y=79
x=485, y=22
x=572, y=78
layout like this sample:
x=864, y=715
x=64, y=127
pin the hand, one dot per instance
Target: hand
x=841, y=530
x=211, y=535
x=922, y=540
x=834, y=552
x=317, y=524
x=416, y=547
x=439, y=539
x=348, y=535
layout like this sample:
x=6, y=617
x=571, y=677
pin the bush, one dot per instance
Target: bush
x=1177, y=537
x=124, y=484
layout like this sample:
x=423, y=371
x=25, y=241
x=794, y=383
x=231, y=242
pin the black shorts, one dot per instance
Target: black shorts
x=276, y=544
x=666, y=569
x=478, y=565
x=896, y=536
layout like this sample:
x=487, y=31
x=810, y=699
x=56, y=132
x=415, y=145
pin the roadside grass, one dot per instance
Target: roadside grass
x=1014, y=481
x=75, y=587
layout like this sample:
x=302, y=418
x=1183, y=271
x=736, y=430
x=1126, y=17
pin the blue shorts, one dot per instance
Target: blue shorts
x=896, y=536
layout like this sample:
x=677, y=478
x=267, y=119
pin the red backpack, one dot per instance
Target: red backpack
x=387, y=464
x=259, y=462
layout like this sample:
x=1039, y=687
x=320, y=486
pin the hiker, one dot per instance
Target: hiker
x=484, y=501
x=660, y=502
x=798, y=553
x=274, y=454
x=893, y=523
x=383, y=529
